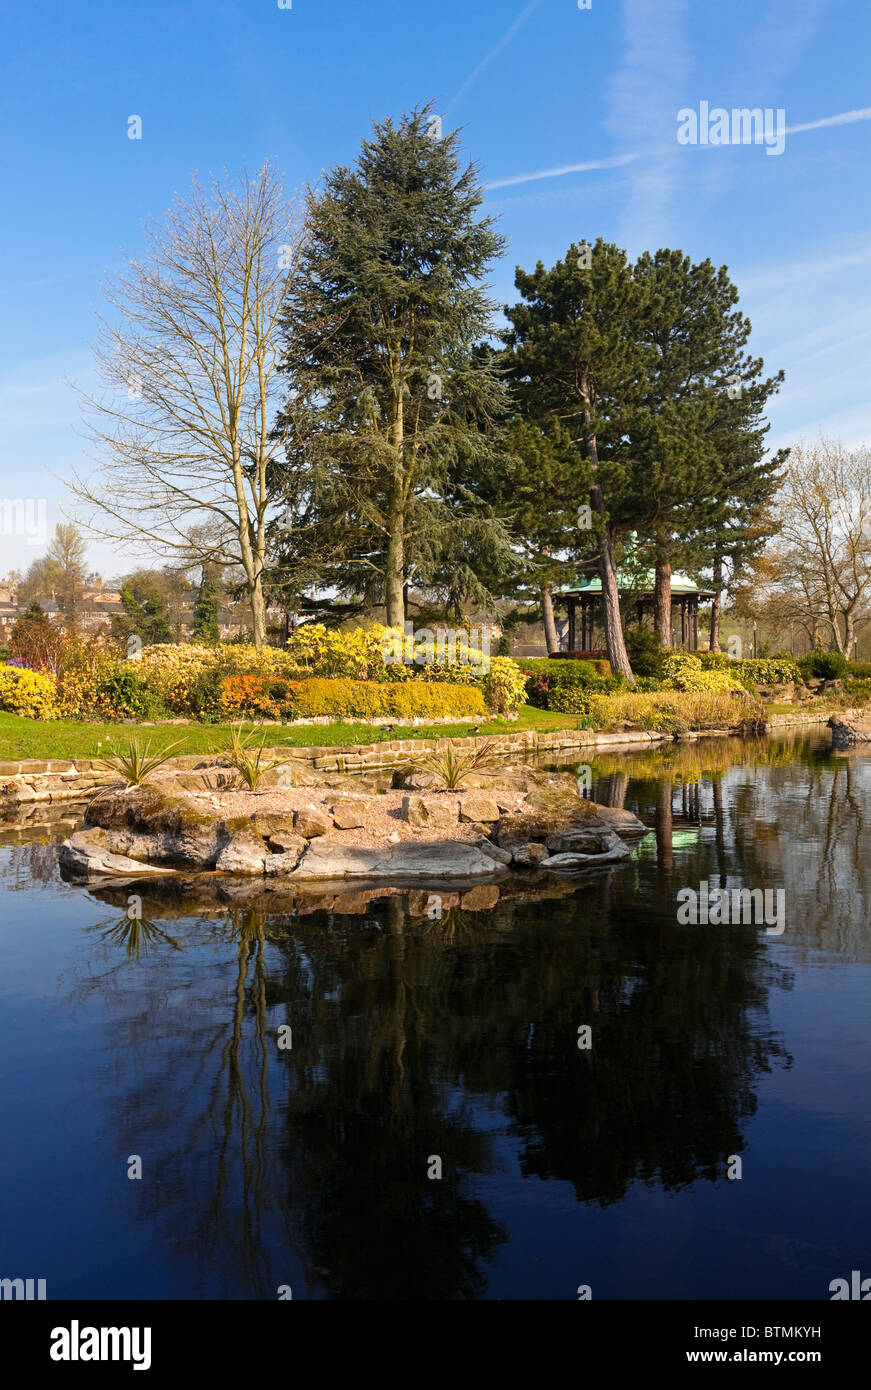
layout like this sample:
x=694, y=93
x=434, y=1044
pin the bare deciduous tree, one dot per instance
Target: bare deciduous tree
x=818, y=572
x=184, y=430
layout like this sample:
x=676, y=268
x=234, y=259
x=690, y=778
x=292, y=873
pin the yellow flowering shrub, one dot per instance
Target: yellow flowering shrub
x=29, y=693
x=684, y=671
x=188, y=678
x=504, y=685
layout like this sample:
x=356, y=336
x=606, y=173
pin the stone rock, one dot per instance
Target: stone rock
x=847, y=732
x=213, y=779
x=162, y=826
x=433, y=861
x=283, y=776
x=86, y=853
x=502, y=856
x=245, y=854
x=275, y=864
x=310, y=822
x=414, y=781
x=478, y=808
x=277, y=830
x=572, y=863
x=529, y=856
x=424, y=814
x=480, y=899
x=350, y=814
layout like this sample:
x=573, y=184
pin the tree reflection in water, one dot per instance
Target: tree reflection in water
x=456, y=1036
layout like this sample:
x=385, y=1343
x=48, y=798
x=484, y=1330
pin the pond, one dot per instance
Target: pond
x=363, y=1098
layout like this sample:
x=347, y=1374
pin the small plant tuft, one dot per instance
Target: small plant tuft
x=137, y=761
x=248, y=763
x=452, y=767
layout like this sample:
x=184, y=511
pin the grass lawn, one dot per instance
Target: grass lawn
x=70, y=738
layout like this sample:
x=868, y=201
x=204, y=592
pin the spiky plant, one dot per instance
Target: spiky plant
x=137, y=761
x=452, y=767
x=248, y=763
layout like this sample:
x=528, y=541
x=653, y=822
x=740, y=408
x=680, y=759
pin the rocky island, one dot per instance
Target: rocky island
x=518, y=818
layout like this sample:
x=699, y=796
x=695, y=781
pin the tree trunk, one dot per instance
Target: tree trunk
x=717, y=605
x=394, y=580
x=662, y=597
x=258, y=611
x=550, y=633
x=613, y=622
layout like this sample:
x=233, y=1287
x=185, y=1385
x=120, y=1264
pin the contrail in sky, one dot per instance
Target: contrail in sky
x=844, y=118
x=494, y=53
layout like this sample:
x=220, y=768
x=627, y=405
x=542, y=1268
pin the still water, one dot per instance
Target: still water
x=307, y=1168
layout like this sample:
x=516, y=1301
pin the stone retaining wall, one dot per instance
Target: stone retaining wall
x=58, y=779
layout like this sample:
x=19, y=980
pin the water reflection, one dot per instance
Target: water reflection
x=457, y=1037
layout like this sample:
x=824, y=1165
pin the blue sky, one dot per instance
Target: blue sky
x=537, y=87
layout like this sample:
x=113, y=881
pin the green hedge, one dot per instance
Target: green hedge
x=544, y=677
x=346, y=699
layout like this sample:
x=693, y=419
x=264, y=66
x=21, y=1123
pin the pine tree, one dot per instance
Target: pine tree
x=701, y=412
x=388, y=403
x=205, y=625
x=575, y=357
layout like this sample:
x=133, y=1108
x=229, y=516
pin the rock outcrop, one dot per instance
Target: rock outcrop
x=158, y=829
x=847, y=731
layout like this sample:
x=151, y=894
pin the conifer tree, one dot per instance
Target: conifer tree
x=700, y=420
x=205, y=625
x=388, y=403
x=575, y=356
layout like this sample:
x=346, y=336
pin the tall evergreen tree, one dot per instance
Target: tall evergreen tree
x=205, y=625
x=575, y=356
x=705, y=396
x=387, y=400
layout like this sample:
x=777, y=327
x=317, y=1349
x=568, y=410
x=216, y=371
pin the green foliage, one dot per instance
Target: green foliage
x=276, y=697
x=827, y=666
x=146, y=611
x=504, y=685
x=29, y=693
x=452, y=767
x=646, y=652
x=123, y=692
x=382, y=327
x=204, y=696
x=137, y=761
x=570, y=699
x=545, y=676
x=35, y=641
x=248, y=763
x=684, y=671
x=773, y=670
x=205, y=626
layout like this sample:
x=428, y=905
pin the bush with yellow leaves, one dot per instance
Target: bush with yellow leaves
x=29, y=693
